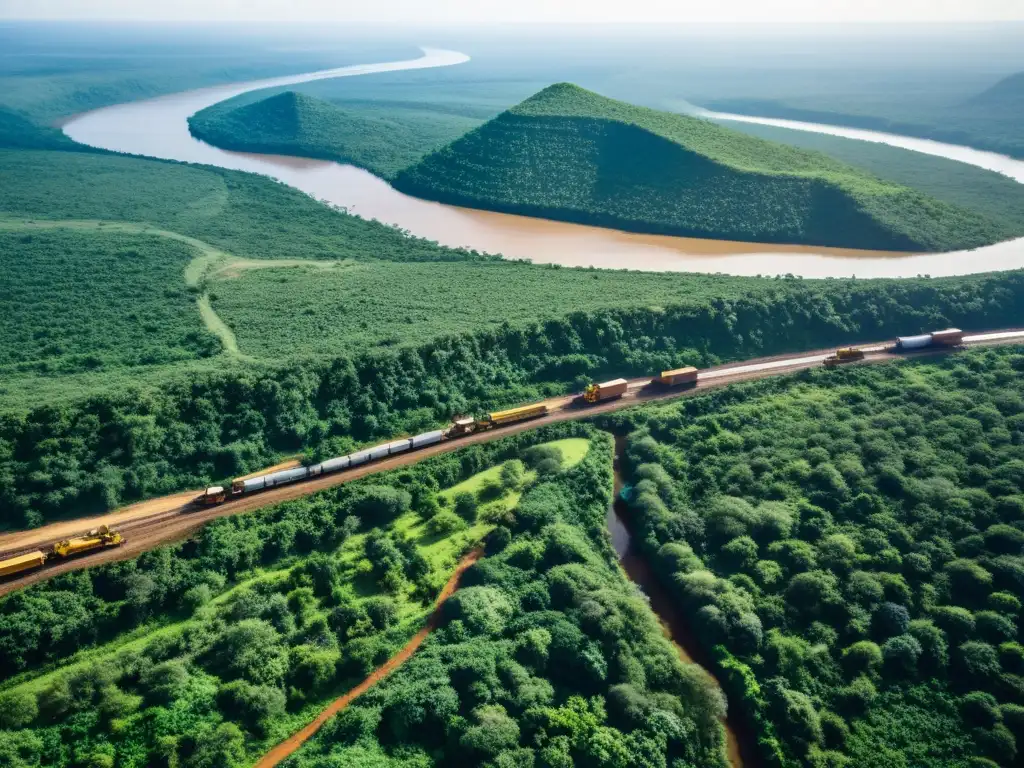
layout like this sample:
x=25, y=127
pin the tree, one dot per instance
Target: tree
x=465, y=505
x=980, y=709
x=221, y=747
x=978, y=661
x=863, y=657
x=493, y=732
x=17, y=709
x=889, y=620
x=513, y=474
x=445, y=523
x=256, y=706
x=900, y=656
x=250, y=649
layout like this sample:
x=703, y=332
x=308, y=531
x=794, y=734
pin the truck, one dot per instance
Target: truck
x=97, y=538
x=677, y=376
x=211, y=497
x=512, y=415
x=21, y=563
x=844, y=355
x=951, y=337
x=608, y=390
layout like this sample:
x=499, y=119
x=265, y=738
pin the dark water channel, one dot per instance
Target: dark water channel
x=739, y=736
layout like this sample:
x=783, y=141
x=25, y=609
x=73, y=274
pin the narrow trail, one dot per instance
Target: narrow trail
x=210, y=263
x=287, y=747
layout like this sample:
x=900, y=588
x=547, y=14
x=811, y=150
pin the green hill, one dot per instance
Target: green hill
x=293, y=123
x=1007, y=94
x=18, y=131
x=570, y=154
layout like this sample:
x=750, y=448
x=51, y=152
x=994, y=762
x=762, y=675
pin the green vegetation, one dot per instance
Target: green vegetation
x=570, y=154
x=77, y=301
x=16, y=130
x=292, y=123
x=235, y=418
x=249, y=630
x=988, y=120
x=849, y=544
x=988, y=193
x=545, y=656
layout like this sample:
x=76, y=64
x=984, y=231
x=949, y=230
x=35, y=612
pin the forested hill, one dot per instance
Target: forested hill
x=293, y=123
x=1007, y=94
x=568, y=153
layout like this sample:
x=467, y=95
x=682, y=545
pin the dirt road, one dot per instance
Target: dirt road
x=290, y=745
x=171, y=518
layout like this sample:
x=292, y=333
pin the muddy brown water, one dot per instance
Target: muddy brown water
x=740, y=739
x=159, y=128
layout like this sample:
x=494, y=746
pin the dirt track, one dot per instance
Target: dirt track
x=290, y=745
x=172, y=518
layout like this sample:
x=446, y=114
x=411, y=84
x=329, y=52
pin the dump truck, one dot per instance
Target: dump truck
x=512, y=415
x=677, y=376
x=21, y=563
x=609, y=390
x=97, y=538
x=844, y=355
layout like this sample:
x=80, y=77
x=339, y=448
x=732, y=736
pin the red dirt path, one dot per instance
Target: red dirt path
x=287, y=747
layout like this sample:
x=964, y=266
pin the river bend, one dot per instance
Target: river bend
x=158, y=127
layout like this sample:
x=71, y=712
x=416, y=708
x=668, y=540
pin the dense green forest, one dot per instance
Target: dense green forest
x=986, y=192
x=988, y=120
x=209, y=652
x=93, y=454
x=570, y=154
x=293, y=123
x=850, y=547
x=545, y=657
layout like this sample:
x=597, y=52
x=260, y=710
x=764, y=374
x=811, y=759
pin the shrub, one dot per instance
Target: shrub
x=862, y=657
x=445, y=523
x=900, y=655
x=980, y=709
x=889, y=620
x=513, y=474
x=466, y=506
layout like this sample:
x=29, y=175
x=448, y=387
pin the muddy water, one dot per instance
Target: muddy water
x=159, y=128
x=740, y=740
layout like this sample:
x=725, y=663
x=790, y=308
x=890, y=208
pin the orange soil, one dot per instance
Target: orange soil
x=287, y=747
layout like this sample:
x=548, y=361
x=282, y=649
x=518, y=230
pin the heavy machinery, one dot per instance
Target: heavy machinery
x=844, y=355
x=677, y=377
x=512, y=415
x=97, y=538
x=609, y=390
x=26, y=562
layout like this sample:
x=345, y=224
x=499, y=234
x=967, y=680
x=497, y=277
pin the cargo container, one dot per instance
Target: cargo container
x=359, y=457
x=607, y=390
x=334, y=465
x=427, y=438
x=21, y=563
x=98, y=538
x=512, y=415
x=378, y=451
x=951, y=337
x=285, y=476
x=907, y=343
x=398, y=446
x=677, y=376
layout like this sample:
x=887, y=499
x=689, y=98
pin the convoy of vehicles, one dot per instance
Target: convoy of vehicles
x=595, y=393
x=98, y=538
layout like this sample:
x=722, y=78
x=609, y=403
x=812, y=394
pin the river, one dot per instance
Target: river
x=740, y=739
x=158, y=127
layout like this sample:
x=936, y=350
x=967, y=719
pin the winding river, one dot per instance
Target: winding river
x=158, y=127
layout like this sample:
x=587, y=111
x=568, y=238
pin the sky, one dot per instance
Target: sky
x=478, y=11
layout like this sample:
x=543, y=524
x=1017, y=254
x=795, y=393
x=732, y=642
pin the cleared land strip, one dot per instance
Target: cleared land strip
x=174, y=523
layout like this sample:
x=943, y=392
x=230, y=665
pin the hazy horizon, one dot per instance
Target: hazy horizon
x=404, y=12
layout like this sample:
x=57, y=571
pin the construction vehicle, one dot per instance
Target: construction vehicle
x=97, y=538
x=844, y=355
x=609, y=390
x=676, y=377
x=512, y=415
x=20, y=563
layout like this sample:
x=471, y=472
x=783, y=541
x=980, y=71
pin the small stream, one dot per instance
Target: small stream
x=740, y=739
